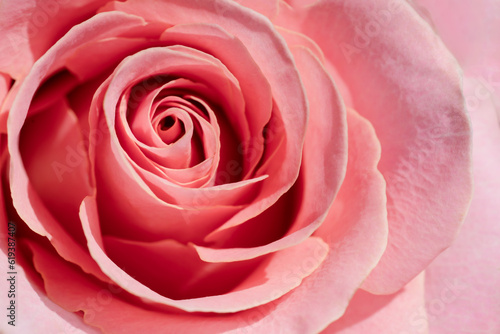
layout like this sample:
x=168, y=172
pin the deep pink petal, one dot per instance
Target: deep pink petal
x=107, y=308
x=405, y=82
x=253, y=112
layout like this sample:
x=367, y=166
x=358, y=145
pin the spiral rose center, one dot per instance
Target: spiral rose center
x=171, y=129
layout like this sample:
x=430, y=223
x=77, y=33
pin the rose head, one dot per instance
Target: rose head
x=228, y=166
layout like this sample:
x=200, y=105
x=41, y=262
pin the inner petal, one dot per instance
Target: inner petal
x=170, y=129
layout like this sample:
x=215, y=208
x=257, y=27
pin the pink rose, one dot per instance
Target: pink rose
x=187, y=166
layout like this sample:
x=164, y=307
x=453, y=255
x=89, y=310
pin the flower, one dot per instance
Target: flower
x=250, y=166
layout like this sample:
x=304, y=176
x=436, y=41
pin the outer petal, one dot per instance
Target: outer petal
x=35, y=313
x=357, y=217
x=470, y=29
x=33, y=308
x=400, y=313
x=405, y=82
x=25, y=199
x=462, y=284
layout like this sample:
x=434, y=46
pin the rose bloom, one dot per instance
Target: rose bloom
x=250, y=166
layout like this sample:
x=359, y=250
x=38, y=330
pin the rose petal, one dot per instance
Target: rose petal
x=462, y=283
x=267, y=8
x=106, y=307
x=475, y=41
x=5, y=83
x=29, y=298
x=402, y=312
x=410, y=90
x=296, y=39
x=322, y=171
x=232, y=53
x=270, y=53
x=90, y=59
x=61, y=279
x=26, y=201
x=260, y=288
x=29, y=28
x=175, y=270
x=357, y=217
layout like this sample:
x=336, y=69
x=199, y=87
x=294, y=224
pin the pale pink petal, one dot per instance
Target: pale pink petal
x=402, y=312
x=469, y=28
x=462, y=284
x=406, y=83
x=294, y=39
